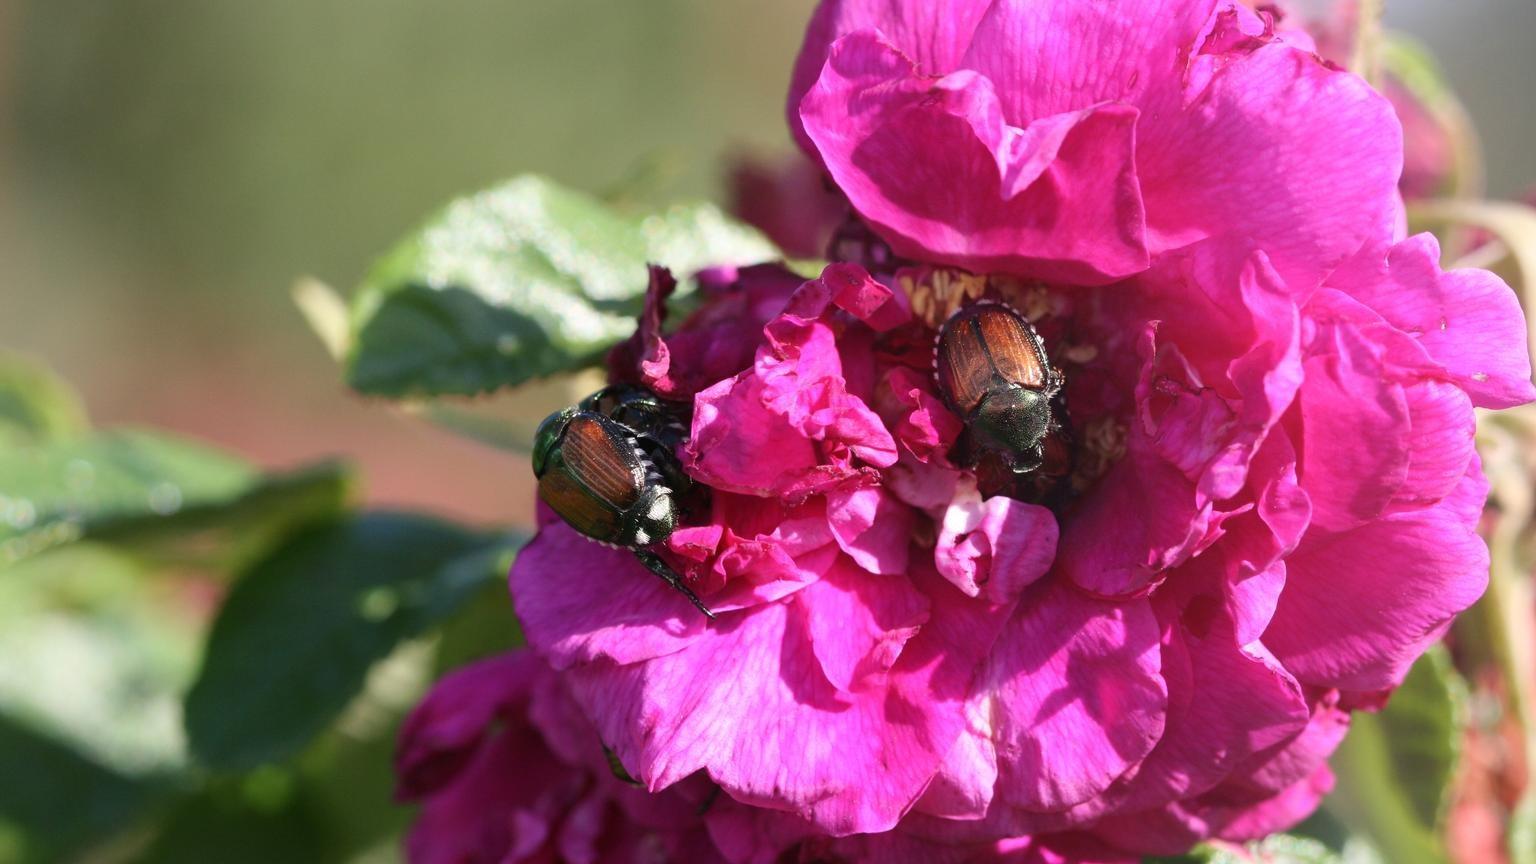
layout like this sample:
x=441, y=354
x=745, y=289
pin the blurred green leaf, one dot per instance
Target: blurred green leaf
x=58, y=801
x=97, y=651
x=1395, y=768
x=35, y=404
x=1275, y=849
x=485, y=627
x=254, y=820
x=1521, y=834
x=125, y=486
x=225, y=534
x=59, y=491
x=518, y=282
x=299, y=631
x=349, y=782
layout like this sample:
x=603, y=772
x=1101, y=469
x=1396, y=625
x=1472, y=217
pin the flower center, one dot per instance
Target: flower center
x=1093, y=422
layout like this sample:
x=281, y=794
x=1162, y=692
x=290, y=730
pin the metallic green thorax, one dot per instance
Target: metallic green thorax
x=1013, y=420
x=548, y=438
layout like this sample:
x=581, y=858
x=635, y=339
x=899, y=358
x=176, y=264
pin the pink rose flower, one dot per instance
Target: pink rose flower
x=506, y=769
x=1274, y=514
x=1274, y=497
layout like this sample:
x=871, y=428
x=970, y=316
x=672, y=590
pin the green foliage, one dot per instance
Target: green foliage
x=112, y=544
x=518, y=282
x=123, y=485
x=59, y=802
x=1521, y=835
x=256, y=820
x=296, y=637
x=96, y=649
x=1395, y=767
x=1276, y=849
x=486, y=626
x=35, y=405
x=223, y=534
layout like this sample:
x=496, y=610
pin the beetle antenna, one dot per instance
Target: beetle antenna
x=653, y=563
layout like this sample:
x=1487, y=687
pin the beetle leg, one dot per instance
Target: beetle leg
x=1030, y=460
x=1055, y=381
x=653, y=563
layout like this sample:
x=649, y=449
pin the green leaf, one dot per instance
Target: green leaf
x=485, y=627
x=299, y=632
x=1521, y=835
x=35, y=404
x=123, y=486
x=116, y=657
x=222, y=535
x=518, y=282
x=1275, y=849
x=253, y=820
x=62, y=490
x=1395, y=768
x=60, y=802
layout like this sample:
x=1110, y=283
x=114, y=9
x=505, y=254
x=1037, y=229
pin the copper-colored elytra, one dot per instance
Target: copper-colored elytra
x=603, y=459
x=982, y=343
x=1013, y=345
x=577, y=505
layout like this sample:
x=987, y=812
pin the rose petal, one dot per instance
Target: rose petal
x=1468, y=320
x=859, y=623
x=1078, y=697
x=994, y=548
x=1360, y=605
x=579, y=602
x=1141, y=520
x=873, y=527
x=749, y=703
x=899, y=144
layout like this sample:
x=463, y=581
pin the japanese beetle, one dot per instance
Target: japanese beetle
x=992, y=369
x=608, y=467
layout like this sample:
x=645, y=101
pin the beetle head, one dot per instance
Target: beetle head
x=548, y=438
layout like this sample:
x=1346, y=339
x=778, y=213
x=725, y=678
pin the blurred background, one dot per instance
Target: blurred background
x=168, y=168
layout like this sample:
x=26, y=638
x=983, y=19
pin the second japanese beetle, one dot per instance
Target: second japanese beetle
x=992, y=369
x=616, y=483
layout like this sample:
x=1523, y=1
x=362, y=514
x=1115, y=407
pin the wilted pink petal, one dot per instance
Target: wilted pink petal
x=899, y=158
x=995, y=548
x=1465, y=319
x=1162, y=123
x=871, y=526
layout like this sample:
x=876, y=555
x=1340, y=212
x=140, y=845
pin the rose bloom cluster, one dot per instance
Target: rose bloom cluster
x=1270, y=514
